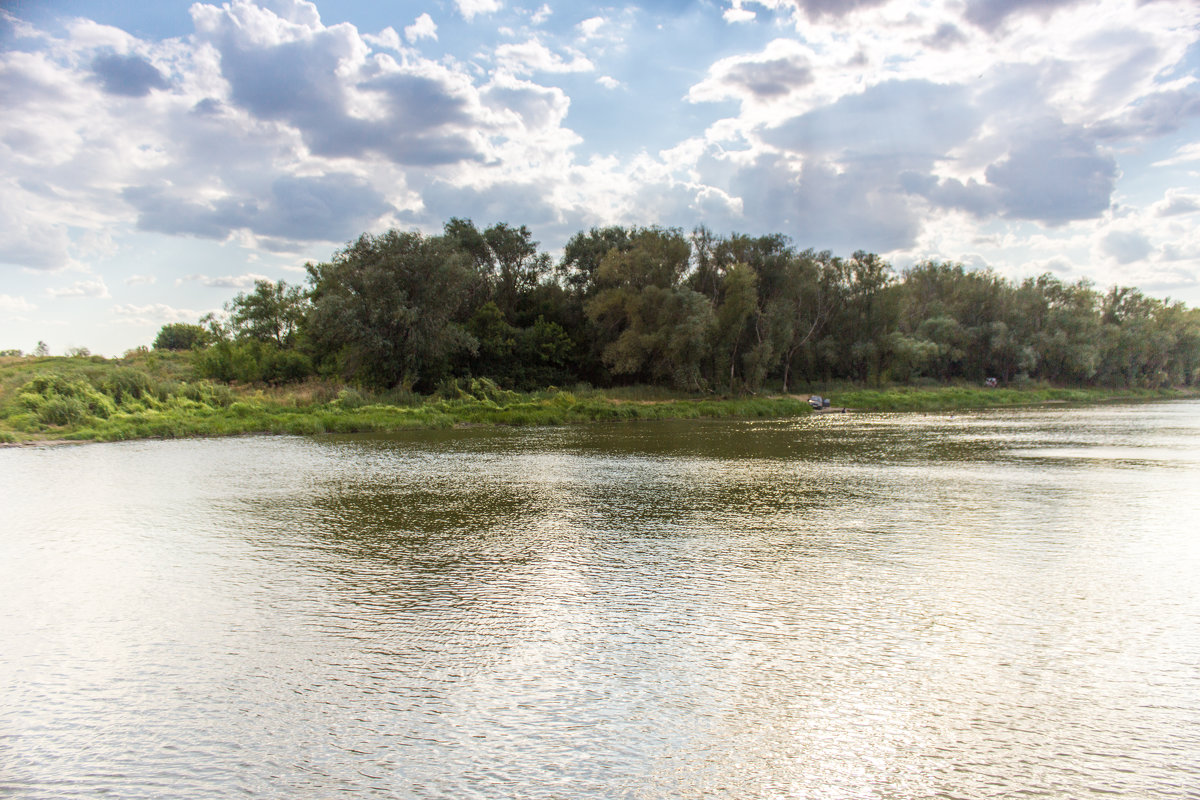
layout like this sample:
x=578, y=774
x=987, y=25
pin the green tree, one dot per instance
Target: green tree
x=734, y=317
x=273, y=312
x=391, y=309
x=508, y=260
x=180, y=336
x=650, y=326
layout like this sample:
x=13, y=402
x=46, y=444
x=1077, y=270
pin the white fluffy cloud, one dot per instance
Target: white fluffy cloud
x=423, y=27
x=473, y=8
x=15, y=305
x=154, y=314
x=533, y=56
x=245, y=281
x=94, y=287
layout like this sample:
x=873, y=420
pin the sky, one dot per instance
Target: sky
x=158, y=158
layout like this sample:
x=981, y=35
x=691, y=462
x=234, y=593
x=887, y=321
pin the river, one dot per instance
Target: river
x=970, y=605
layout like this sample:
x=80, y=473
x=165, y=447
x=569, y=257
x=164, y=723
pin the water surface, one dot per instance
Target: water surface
x=999, y=603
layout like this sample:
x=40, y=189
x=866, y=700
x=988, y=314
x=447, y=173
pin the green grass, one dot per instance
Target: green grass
x=156, y=395
x=949, y=398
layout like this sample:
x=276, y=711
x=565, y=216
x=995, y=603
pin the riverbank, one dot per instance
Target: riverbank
x=155, y=395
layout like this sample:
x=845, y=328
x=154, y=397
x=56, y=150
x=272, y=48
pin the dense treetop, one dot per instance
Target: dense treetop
x=702, y=312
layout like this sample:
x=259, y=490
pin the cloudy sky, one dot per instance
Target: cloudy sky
x=157, y=158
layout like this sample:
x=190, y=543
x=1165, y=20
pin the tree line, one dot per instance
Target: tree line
x=699, y=312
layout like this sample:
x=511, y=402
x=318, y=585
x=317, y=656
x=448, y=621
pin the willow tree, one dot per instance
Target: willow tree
x=390, y=309
x=650, y=326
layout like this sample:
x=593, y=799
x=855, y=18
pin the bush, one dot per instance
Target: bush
x=54, y=397
x=126, y=383
x=253, y=362
x=60, y=410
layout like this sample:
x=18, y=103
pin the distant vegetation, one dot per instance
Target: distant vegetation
x=701, y=314
x=471, y=326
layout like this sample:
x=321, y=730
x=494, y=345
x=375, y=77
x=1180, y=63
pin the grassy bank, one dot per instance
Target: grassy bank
x=156, y=395
x=950, y=398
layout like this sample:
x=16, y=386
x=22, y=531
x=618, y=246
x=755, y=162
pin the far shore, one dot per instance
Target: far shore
x=204, y=409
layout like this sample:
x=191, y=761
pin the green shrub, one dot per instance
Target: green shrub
x=126, y=383
x=352, y=398
x=58, y=410
x=54, y=397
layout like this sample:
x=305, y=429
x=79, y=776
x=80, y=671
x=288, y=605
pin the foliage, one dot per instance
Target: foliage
x=252, y=361
x=273, y=313
x=390, y=309
x=706, y=313
x=181, y=336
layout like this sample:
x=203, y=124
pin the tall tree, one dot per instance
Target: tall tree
x=390, y=309
x=272, y=313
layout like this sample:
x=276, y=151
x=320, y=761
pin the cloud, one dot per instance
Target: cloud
x=815, y=202
x=816, y=10
x=502, y=202
x=902, y=120
x=15, y=305
x=945, y=37
x=34, y=244
x=992, y=14
x=140, y=280
x=1177, y=203
x=541, y=15
x=533, y=56
x=331, y=207
x=1055, y=177
x=224, y=281
x=1183, y=155
x=155, y=313
x=473, y=8
x=770, y=78
x=826, y=208
x=590, y=27
x=81, y=288
x=538, y=107
x=423, y=27
x=319, y=80
x=608, y=82
x=1126, y=246
x=782, y=67
x=1152, y=115
x=735, y=13
x=128, y=76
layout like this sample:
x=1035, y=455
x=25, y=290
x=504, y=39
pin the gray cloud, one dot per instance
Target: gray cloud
x=972, y=196
x=163, y=213
x=1126, y=246
x=1054, y=178
x=816, y=9
x=822, y=207
x=945, y=37
x=771, y=78
x=1153, y=115
x=332, y=207
x=915, y=120
x=425, y=120
x=1179, y=204
x=128, y=76
x=517, y=203
x=991, y=14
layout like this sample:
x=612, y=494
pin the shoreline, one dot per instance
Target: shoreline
x=280, y=414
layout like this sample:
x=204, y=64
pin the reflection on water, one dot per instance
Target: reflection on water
x=858, y=606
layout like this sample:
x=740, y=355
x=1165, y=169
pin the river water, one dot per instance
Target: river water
x=992, y=604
